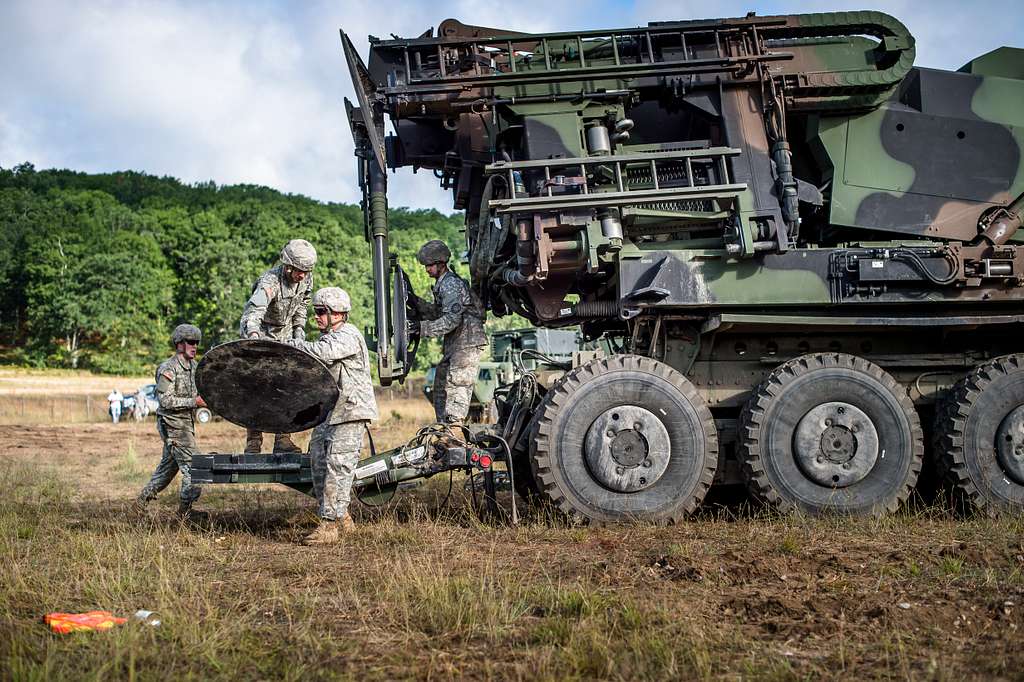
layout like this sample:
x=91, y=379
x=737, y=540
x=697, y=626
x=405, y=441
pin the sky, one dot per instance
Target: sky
x=251, y=91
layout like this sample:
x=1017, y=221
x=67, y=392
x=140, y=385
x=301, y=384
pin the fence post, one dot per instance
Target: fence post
x=88, y=408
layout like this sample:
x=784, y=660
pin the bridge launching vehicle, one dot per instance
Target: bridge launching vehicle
x=803, y=249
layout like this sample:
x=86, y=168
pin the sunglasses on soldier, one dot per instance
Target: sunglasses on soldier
x=321, y=311
x=191, y=342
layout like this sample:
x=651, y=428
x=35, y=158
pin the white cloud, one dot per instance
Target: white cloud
x=252, y=92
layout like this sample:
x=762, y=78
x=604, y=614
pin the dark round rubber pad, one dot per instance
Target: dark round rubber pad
x=265, y=385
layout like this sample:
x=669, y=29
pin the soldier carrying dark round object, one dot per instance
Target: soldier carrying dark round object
x=458, y=316
x=277, y=310
x=334, y=447
x=178, y=399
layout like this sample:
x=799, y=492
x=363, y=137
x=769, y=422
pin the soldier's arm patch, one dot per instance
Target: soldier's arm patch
x=164, y=381
x=260, y=298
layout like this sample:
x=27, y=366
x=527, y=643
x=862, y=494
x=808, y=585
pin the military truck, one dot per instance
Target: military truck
x=803, y=249
x=513, y=352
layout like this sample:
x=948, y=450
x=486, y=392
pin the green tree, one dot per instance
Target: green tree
x=95, y=269
x=97, y=291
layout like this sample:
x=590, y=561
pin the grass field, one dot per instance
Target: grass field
x=428, y=593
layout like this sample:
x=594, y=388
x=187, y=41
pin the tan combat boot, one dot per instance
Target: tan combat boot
x=189, y=515
x=253, y=441
x=451, y=434
x=325, y=534
x=347, y=524
x=283, y=443
x=137, y=507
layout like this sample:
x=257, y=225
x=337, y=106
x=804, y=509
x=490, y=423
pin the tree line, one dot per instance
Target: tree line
x=97, y=269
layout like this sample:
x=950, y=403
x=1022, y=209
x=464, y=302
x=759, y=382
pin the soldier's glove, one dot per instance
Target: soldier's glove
x=299, y=334
x=412, y=328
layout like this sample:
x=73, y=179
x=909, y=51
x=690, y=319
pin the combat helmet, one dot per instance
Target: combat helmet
x=185, y=331
x=299, y=254
x=334, y=298
x=434, y=251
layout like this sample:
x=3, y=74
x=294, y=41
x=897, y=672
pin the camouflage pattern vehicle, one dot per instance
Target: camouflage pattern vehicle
x=803, y=248
x=513, y=352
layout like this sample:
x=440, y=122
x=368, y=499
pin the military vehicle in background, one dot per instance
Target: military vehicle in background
x=796, y=242
x=513, y=353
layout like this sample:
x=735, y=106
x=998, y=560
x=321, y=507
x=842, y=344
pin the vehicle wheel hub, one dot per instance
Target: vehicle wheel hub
x=627, y=449
x=1010, y=445
x=836, y=444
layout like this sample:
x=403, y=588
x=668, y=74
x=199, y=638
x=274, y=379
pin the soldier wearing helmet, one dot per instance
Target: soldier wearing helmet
x=456, y=315
x=175, y=421
x=277, y=310
x=334, y=447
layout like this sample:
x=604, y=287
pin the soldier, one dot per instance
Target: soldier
x=334, y=447
x=458, y=316
x=277, y=310
x=175, y=421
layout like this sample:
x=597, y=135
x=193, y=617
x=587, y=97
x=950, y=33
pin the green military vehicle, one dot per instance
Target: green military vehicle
x=802, y=249
x=513, y=352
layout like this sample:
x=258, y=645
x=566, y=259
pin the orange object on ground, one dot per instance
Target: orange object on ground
x=64, y=623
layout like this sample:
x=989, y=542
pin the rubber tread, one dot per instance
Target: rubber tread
x=569, y=386
x=952, y=414
x=753, y=415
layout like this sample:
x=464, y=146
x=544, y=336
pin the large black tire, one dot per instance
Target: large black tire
x=830, y=433
x=588, y=476
x=978, y=437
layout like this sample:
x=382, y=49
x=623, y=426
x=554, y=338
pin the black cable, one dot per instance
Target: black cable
x=511, y=477
x=448, y=495
x=373, y=449
x=919, y=264
x=547, y=359
x=511, y=473
x=472, y=490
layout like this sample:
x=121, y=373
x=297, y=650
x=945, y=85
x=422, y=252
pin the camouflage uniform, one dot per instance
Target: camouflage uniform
x=176, y=393
x=277, y=310
x=335, y=445
x=458, y=316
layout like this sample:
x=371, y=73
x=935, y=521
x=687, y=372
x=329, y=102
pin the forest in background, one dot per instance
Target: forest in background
x=97, y=269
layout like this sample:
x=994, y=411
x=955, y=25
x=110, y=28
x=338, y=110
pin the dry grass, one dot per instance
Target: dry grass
x=50, y=382
x=428, y=593
x=66, y=397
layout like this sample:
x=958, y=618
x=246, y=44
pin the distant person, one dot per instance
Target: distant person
x=115, y=399
x=141, y=410
x=457, y=316
x=175, y=422
x=334, y=447
x=277, y=310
